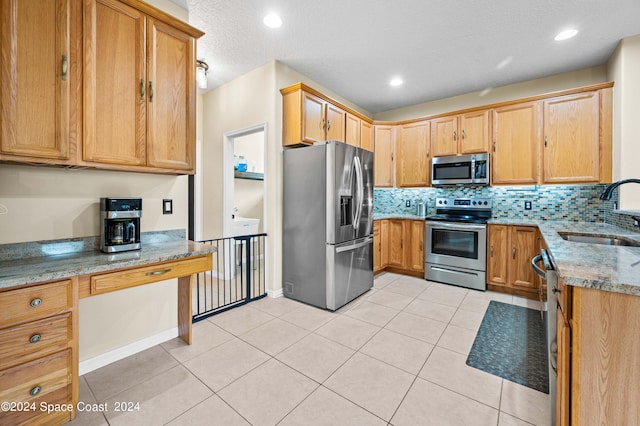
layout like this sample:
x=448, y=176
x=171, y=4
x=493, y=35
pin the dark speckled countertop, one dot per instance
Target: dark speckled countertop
x=603, y=267
x=33, y=262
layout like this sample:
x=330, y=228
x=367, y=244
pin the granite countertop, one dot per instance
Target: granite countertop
x=380, y=216
x=602, y=267
x=28, y=263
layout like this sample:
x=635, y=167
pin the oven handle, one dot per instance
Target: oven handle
x=456, y=227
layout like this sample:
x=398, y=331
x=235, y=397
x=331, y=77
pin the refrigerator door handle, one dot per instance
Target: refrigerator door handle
x=355, y=245
x=359, y=191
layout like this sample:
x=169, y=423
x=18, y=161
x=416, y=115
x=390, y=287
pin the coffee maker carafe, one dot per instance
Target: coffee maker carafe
x=120, y=224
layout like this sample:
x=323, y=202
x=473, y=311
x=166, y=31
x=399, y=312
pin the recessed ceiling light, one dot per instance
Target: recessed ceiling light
x=272, y=21
x=566, y=34
x=396, y=82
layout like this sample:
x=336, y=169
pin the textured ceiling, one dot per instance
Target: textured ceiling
x=441, y=48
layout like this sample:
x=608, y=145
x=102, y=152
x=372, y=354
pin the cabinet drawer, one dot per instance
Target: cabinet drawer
x=34, y=339
x=27, y=303
x=46, y=379
x=105, y=283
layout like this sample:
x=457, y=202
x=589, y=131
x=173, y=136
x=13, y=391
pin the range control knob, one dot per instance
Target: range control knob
x=474, y=203
x=485, y=203
x=445, y=201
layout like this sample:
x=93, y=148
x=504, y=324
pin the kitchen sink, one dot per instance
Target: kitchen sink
x=598, y=239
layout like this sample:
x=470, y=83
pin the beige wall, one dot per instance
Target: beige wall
x=624, y=70
x=539, y=86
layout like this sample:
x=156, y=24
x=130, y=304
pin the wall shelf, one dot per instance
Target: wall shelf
x=248, y=175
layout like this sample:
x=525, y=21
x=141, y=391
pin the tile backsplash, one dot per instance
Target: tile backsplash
x=549, y=202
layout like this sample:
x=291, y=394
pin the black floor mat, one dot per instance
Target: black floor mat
x=512, y=344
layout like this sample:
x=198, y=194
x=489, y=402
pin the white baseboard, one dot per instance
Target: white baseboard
x=91, y=364
x=275, y=293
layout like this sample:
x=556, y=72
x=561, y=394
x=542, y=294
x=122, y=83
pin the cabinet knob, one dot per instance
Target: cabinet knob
x=35, y=338
x=65, y=67
x=321, y=124
x=545, y=141
x=455, y=135
x=491, y=251
x=494, y=146
x=142, y=89
x=463, y=134
x=35, y=390
x=328, y=125
x=36, y=302
x=150, y=91
x=513, y=253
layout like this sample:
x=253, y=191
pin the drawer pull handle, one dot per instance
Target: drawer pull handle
x=164, y=271
x=36, y=390
x=36, y=302
x=35, y=338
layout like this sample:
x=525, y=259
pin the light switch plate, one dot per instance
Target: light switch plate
x=167, y=206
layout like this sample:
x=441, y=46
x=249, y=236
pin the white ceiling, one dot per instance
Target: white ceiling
x=440, y=48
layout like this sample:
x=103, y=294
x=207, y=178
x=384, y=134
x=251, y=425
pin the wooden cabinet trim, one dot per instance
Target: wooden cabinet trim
x=156, y=13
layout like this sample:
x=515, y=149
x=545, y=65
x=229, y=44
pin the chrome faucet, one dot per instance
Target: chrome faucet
x=606, y=194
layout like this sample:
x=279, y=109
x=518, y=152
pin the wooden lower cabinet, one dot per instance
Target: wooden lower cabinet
x=598, y=349
x=509, y=253
x=398, y=244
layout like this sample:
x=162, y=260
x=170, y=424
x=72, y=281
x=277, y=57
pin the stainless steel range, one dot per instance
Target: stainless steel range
x=456, y=242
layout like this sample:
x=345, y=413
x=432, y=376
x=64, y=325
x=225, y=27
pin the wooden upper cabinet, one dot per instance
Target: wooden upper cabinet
x=571, y=150
x=313, y=118
x=353, y=130
x=412, y=154
x=115, y=83
x=460, y=134
x=384, y=164
x=171, y=103
x=36, y=80
x=366, y=135
x=516, y=141
x=335, y=124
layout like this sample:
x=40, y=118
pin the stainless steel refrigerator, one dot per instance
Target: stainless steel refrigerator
x=328, y=223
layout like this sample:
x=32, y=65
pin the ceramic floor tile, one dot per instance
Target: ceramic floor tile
x=371, y=384
x=240, y=320
x=448, y=369
x=527, y=303
x=205, y=336
x=274, y=336
x=226, y=363
x=444, y=294
x=428, y=404
x=525, y=403
x=372, y=313
x=326, y=408
x=276, y=306
x=121, y=375
x=390, y=299
x=203, y=413
x=315, y=357
x=87, y=417
x=475, y=304
x=408, y=286
x=508, y=420
x=490, y=295
x=348, y=331
x=308, y=317
x=457, y=339
x=160, y=399
x=418, y=327
x=401, y=351
x=436, y=311
x=385, y=278
x=268, y=393
x=467, y=319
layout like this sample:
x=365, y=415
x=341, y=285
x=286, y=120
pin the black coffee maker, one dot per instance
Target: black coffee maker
x=120, y=224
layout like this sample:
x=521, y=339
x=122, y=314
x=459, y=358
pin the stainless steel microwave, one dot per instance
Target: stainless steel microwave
x=460, y=170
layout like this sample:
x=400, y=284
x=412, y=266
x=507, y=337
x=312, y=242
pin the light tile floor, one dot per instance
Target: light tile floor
x=394, y=356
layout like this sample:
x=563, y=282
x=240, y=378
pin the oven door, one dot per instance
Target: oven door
x=462, y=245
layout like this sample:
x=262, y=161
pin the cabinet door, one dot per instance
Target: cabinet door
x=563, y=367
x=396, y=243
x=171, y=105
x=474, y=132
x=497, y=243
x=571, y=150
x=352, y=134
x=384, y=139
x=384, y=243
x=366, y=136
x=114, y=83
x=415, y=230
x=444, y=136
x=516, y=138
x=377, y=263
x=336, y=125
x=524, y=246
x=35, y=80
x=313, y=118
x=412, y=153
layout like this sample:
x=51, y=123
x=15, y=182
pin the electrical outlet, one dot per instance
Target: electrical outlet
x=167, y=206
x=527, y=205
x=407, y=203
